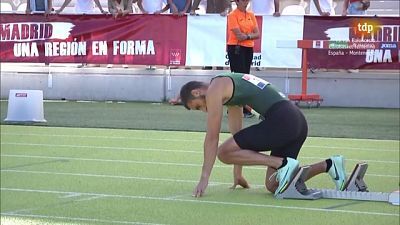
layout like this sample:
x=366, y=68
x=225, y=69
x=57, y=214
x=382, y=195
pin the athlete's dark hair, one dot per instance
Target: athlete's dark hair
x=186, y=91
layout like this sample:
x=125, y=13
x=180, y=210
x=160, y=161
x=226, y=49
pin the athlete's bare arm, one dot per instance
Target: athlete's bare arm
x=214, y=101
x=235, y=115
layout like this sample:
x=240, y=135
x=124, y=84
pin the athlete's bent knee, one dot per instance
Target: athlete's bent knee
x=223, y=156
x=225, y=151
x=271, y=186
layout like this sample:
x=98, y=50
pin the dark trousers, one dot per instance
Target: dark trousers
x=39, y=5
x=240, y=58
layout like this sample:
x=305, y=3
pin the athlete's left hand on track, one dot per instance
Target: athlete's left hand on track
x=240, y=181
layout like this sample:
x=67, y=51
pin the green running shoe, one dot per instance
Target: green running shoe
x=337, y=172
x=285, y=174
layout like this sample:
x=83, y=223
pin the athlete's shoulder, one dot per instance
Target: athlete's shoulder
x=229, y=74
x=221, y=87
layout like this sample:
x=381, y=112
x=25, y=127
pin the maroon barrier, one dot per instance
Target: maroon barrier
x=134, y=39
x=384, y=55
x=161, y=40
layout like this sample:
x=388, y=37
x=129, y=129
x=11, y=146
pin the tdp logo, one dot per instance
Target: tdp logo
x=365, y=27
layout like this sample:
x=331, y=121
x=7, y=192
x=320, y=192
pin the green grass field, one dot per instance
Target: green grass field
x=365, y=123
x=61, y=175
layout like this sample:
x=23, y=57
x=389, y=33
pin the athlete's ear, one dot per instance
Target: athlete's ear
x=196, y=93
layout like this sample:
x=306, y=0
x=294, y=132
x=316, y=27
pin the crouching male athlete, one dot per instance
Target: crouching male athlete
x=283, y=131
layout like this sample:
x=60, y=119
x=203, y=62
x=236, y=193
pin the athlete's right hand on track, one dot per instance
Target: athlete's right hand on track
x=200, y=188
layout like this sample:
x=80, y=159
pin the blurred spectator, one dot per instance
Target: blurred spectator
x=38, y=6
x=8, y=6
x=179, y=7
x=120, y=8
x=265, y=7
x=135, y=7
x=355, y=7
x=151, y=6
x=322, y=7
x=222, y=7
x=82, y=6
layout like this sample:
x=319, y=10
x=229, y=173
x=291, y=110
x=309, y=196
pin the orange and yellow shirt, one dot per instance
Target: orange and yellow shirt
x=246, y=22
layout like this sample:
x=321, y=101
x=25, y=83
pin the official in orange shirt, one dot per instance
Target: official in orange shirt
x=242, y=30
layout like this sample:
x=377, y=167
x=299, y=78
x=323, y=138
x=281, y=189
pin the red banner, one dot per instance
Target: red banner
x=134, y=39
x=343, y=42
x=354, y=42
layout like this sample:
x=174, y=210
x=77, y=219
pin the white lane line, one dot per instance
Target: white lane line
x=352, y=139
x=200, y=201
x=22, y=210
x=345, y=148
x=162, y=139
x=101, y=147
x=88, y=199
x=173, y=132
x=165, y=150
x=107, y=160
x=102, y=137
x=76, y=219
x=355, y=160
x=112, y=176
x=194, y=140
x=70, y=195
x=211, y=183
x=178, y=196
x=152, y=163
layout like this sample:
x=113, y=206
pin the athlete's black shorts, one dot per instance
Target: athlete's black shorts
x=283, y=131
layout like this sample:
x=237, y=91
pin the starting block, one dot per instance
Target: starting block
x=297, y=187
x=356, y=179
x=355, y=188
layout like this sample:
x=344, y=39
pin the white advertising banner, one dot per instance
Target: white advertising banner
x=206, y=40
x=275, y=29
